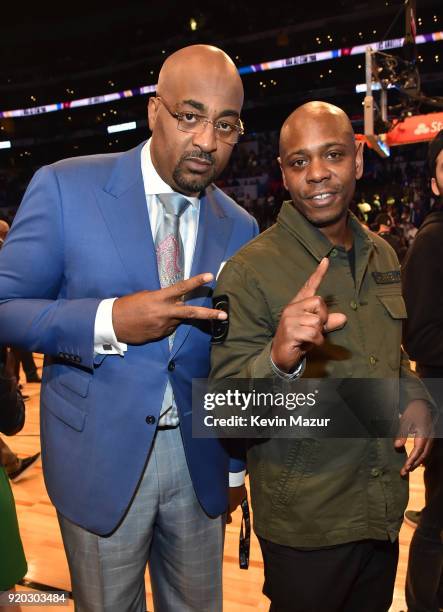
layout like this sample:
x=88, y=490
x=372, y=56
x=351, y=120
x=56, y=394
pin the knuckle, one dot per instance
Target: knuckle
x=313, y=334
x=190, y=312
x=181, y=286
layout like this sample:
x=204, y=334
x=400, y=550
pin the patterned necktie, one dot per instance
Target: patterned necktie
x=168, y=244
x=170, y=262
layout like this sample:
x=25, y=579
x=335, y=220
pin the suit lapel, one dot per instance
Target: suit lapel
x=214, y=231
x=123, y=206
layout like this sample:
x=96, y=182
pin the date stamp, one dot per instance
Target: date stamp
x=34, y=598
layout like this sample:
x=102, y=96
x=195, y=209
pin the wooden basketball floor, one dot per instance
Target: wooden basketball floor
x=44, y=549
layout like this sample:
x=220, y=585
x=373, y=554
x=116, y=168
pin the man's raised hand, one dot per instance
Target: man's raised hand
x=149, y=315
x=304, y=322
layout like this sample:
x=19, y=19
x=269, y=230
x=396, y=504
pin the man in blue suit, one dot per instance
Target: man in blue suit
x=92, y=275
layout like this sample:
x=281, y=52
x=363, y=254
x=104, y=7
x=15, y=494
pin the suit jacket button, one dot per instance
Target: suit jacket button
x=150, y=419
x=171, y=365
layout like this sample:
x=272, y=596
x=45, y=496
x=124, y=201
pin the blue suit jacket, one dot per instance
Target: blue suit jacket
x=82, y=234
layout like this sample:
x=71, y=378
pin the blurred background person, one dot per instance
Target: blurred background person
x=14, y=466
x=423, y=339
x=13, y=565
x=385, y=228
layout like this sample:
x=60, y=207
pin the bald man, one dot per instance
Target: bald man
x=319, y=291
x=108, y=270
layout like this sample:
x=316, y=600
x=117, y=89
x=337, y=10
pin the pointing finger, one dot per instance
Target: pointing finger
x=311, y=286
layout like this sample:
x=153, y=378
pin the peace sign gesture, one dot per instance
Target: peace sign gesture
x=149, y=315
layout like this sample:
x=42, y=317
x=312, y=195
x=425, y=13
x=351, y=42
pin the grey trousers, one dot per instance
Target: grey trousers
x=166, y=529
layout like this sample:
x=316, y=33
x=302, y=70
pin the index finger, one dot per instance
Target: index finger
x=183, y=287
x=180, y=311
x=311, y=286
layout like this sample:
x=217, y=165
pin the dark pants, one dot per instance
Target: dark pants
x=424, y=582
x=346, y=578
x=27, y=360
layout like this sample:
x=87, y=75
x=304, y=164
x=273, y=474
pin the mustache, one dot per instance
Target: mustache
x=197, y=154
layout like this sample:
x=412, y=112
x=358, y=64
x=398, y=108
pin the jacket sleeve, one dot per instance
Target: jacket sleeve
x=245, y=351
x=412, y=387
x=34, y=314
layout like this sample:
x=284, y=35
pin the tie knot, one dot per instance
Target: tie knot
x=174, y=203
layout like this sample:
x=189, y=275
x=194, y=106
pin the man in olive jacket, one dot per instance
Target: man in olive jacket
x=327, y=512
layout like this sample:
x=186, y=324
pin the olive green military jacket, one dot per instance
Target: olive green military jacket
x=319, y=492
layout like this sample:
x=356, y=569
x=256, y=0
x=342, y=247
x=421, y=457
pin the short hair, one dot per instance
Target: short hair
x=435, y=146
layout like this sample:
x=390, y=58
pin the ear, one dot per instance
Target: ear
x=435, y=190
x=153, y=106
x=359, y=146
x=282, y=173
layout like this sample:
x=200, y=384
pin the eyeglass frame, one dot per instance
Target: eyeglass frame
x=238, y=127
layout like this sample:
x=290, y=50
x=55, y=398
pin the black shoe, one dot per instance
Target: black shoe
x=25, y=465
x=33, y=378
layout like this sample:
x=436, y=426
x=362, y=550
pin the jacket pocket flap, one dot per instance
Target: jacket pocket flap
x=66, y=412
x=395, y=305
x=76, y=382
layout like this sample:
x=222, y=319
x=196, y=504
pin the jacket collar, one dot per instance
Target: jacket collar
x=312, y=239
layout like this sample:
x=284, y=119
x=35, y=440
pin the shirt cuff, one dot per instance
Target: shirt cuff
x=105, y=341
x=289, y=375
x=237, y=479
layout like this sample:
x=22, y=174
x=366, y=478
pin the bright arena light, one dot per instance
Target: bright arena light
x=121, y=127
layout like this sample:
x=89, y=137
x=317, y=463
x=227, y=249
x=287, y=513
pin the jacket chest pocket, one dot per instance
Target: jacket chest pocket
x=392, y=312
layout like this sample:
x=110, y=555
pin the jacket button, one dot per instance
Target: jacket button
x=354, y=305
x=375, y=472
x=150, y=419
x=171, y=366
x=372, y=360
x=333, y=253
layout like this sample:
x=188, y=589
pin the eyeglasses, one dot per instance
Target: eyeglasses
x=187, y=121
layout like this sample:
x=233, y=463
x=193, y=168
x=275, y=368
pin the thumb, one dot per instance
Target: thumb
x=336, y=320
